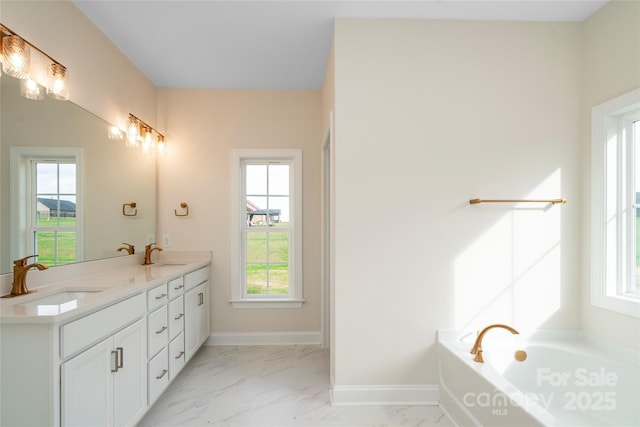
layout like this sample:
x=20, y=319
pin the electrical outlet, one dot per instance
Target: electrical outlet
x=166, y=240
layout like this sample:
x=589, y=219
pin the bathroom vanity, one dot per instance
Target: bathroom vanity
x=100, y=348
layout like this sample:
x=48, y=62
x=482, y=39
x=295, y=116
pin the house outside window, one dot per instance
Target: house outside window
x=267, y=229
x=615, y=204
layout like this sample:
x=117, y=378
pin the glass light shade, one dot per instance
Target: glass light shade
x=161, y=146
x=15, y=57
x=58, y=87
x=132, y=133
x=30, y=89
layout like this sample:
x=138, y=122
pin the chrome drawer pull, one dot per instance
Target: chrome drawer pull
x=164, y=328
x=114, y=358
x=180, y=355
x=164, y=372
x=161, y=296
x=180, y=316
x=120, y=357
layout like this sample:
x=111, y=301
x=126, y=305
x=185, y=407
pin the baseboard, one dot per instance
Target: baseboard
x=265, y=338
x=385, y=395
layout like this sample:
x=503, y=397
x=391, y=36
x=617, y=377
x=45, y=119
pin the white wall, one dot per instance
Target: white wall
x=203, y=127
x=430, y=114
x=611, y=68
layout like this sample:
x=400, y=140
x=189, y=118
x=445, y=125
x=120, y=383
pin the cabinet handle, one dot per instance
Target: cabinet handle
x=114, y=359
x=180, y=316
x=164, y=372
x=161, y=296
x=179, y=287
x=180, y=355
x=164, y=328
x=120, y=357
x=200, y=298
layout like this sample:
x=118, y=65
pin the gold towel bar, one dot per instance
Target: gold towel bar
x=552, y=201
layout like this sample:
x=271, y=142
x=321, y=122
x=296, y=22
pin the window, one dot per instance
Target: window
x=53, y=213
x=45, y=205
x=615, y=210
x=267, y=229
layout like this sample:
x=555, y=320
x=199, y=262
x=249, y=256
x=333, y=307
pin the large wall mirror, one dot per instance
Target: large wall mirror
x=64, y=185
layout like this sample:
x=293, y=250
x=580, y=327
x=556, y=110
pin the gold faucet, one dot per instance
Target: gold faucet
x=477, y=346
x=20, y=269
x=147, y=253
x=129, y=248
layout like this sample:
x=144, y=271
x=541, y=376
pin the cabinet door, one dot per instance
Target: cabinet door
x=191, y=300
x=130, y=381
x=87, y=387
x=203, y=314
x=196, y=318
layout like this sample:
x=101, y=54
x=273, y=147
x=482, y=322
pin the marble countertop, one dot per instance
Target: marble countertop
x=86, y=293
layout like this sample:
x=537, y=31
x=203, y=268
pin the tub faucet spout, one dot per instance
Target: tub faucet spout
x=477, y=346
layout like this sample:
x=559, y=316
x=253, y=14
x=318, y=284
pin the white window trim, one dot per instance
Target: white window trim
x=606, y=294
x=295, y=298
x=20, y=186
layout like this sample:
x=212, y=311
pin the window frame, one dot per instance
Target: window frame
x=239, y=297
x=21, y=192
x=613, y=239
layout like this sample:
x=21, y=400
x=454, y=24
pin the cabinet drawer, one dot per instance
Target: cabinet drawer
x=176, y=287
x=81, y=333
x=176, y=355
x=157, y=297
x=176, y=317
x=158, y=375
x=158, y=330
x=194, y=278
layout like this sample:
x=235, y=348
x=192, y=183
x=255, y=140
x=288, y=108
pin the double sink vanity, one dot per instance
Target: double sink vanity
x=100, y=343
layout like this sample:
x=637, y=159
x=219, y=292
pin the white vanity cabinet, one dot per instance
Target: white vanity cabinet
x=106, y=384
x=108, y=365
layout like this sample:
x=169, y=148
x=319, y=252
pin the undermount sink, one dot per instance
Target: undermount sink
x=62, y=297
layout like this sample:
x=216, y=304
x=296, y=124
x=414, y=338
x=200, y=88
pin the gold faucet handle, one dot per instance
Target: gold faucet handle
x=22, y=262
x=149, y=245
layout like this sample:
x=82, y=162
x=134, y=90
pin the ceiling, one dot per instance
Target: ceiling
x=271, y=44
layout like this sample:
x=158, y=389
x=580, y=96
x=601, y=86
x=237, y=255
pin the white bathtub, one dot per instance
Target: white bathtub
x=568, y=379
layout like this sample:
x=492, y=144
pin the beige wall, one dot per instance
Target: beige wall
x=204, y=126
x=611, y=68
x=428, y=115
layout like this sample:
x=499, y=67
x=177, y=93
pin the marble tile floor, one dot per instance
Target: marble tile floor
x=254, y=386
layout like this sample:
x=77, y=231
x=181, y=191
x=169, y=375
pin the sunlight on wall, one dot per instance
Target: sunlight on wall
x=512, y=272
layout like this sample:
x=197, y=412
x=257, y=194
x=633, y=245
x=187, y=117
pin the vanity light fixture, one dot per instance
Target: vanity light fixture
x=141, y=134
x=16, y=62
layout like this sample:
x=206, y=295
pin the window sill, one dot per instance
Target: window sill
x=620, y=304
x=266, y=303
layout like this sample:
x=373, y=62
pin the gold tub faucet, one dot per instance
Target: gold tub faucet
x=477, y=346
x=20, y=269
x=148, y=250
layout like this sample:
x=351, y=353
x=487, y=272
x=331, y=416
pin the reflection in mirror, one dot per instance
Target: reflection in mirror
x=63, y=183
